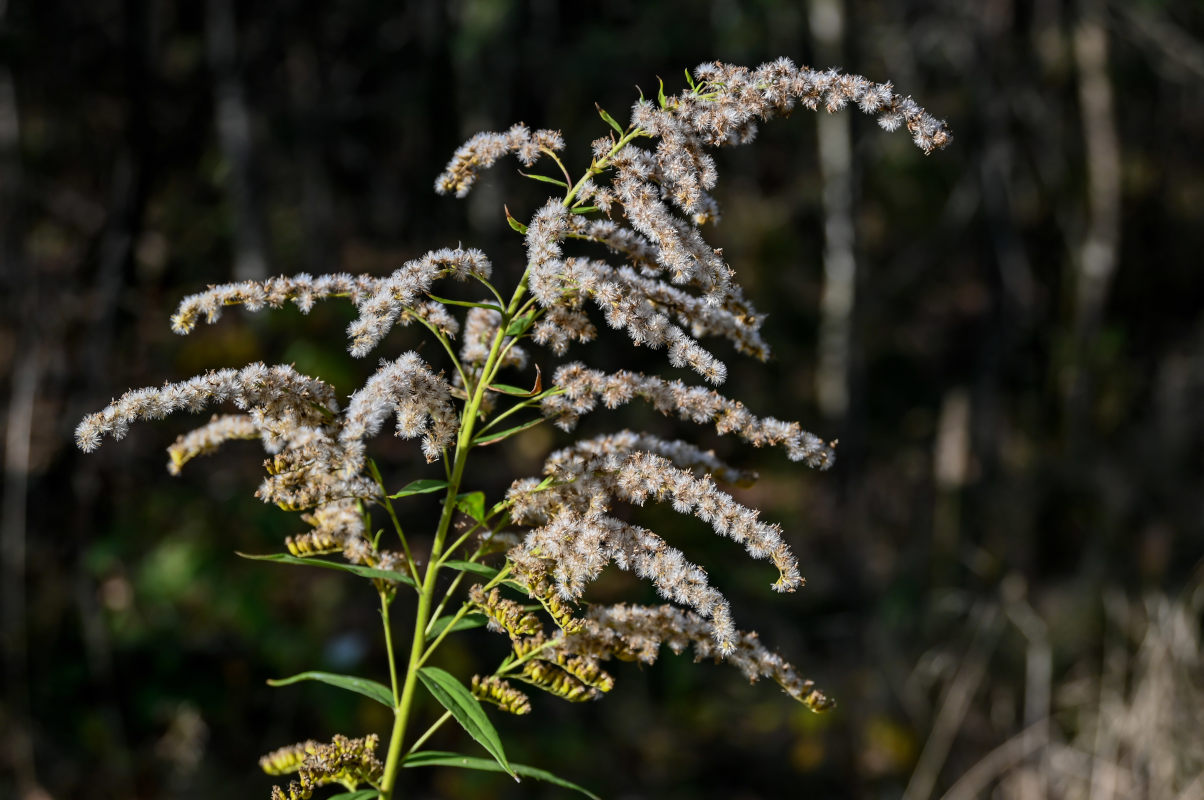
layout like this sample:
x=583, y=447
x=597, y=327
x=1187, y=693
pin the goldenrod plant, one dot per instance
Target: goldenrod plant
x=620, y=240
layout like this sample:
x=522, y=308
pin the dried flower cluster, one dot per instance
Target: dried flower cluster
x=663, y=286
x=349, y=762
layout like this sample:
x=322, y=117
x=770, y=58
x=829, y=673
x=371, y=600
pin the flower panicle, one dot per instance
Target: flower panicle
x=635, y=632
x=343, y=760
x=418, y=398
x=504, y=614
x=583, y=388
x=278, y=397
x=571, y=549
x=303, y=289
x=209, y=437
x=390, y=297
x=730, y=98
x=480, y=327
x=498, y=691
x=484, y=149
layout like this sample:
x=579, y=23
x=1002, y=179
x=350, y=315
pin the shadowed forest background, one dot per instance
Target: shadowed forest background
x=1003, y=568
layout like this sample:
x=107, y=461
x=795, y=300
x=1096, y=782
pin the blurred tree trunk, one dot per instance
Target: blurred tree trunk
x=1099, y=249
x=19, y=309
x=317, y=204
x=833, y=372
x=233, y=119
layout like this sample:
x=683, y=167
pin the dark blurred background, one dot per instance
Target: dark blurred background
x=1006, y=337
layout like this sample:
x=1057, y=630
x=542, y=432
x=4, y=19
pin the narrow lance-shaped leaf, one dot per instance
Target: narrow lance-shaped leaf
x=497, y=436
x=543, y=178
x=420, y=486
x=354, y=569
x=434, y=758
x=470, y=566
x=515, y=391
x=465, y=303
x=452, y=695
x=464, y=623
x=608, y=119
x=368, y=688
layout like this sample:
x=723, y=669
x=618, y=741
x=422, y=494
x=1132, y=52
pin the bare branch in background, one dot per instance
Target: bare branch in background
x=1181, y=53
x=956, y=702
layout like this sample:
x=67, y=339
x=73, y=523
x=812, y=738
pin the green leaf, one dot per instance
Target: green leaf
x=518, y=226
x=543, y=178
x=608, y=119
x=497, y=436
x=420, y=486
x=514, y=391
x=371, y=689
x=519, y=325
x=465, y=303
x=472, y=504
x=464, y=623
x=660, y=93
x=435, y=758
x=585, y=209
x=471, y=566
x=690, y=80
x=361, y=794
x=452, y=695
x=354, y=569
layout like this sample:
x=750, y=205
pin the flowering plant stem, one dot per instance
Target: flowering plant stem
x=422, y=615
x=419, y=653
x=645, y=205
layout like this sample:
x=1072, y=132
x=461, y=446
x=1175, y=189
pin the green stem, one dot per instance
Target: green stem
x=603, y=163
x=384, y=616
x=436, y=725
x=405, y=546
x=446, y=346
x=426, y=594
x=494, y=581
x=455, y=478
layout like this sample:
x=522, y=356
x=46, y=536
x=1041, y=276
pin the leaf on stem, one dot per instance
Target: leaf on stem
x=543, y=178
x=472, y=504
x=354, y=569
x=420, y=486
x=465, y=303
x=435, y=758
x=467, y=710
x=518, y=226
x=464, y=623
x=515, y=391
x=368, y=688
x=497, y=436
x=470, y=566
x=361, y=794
x=608, y=119
x=519, y=325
